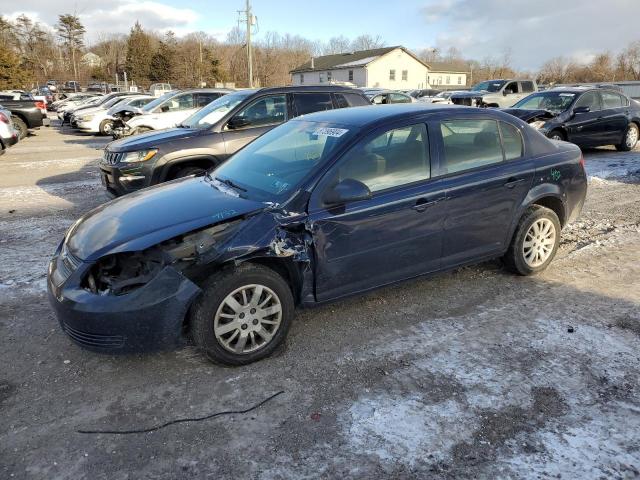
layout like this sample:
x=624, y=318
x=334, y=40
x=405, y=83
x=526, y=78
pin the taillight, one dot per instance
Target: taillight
x=582, y=160
x=41, y=105
x=4, y=118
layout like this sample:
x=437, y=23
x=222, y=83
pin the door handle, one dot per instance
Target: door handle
x=512, y=182
x=422, y=203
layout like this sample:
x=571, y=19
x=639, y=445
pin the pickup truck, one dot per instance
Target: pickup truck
x=26, y=114
x=495, y=93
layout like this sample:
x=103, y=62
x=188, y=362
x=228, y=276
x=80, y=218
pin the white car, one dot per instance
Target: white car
x=72, y=106
x=8, y=134
x=170, y=110
x=100, y=119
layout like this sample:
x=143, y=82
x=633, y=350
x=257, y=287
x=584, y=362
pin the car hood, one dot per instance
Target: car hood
x=477, y=93
x=151, y=139
x=142, y=219
x=526, y=115
x=88, y=111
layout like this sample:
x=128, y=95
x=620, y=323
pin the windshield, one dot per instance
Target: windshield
x=210, y=114
x=273, y=166
x=113, y=101
x=489, y=86
x=151, y=105
x=555, y=102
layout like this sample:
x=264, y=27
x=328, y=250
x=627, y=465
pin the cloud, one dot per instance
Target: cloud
x=115, y=16
x=533, y=31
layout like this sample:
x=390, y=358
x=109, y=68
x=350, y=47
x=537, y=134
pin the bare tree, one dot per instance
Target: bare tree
x=367, y=42
x=71, y=32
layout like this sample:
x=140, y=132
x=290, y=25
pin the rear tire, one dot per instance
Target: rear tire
x=262, y=311
x=21, y=127
x=557, y=135
x=535, y=241
x=630, y=139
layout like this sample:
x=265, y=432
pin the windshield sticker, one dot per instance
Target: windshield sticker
x=330, y=132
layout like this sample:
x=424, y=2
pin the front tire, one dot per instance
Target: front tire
x=535, y=241
x=557, y=135
x=20, y=127
x=106, y=127
x=242, y=315
x=630, y=139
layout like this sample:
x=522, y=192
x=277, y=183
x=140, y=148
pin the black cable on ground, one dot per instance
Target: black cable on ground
x=183, y=420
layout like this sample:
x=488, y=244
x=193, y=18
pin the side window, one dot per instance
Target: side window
x=177, y=103
x=312, y=102
x=206, y=98
x=397, y=157
x=399, y=98
x=512, y=141
x=611, y=100
x=381, y=99
x=469, y=144
x=264, y=111
x=527, y=87
x=512, y=87
x=355, y=100
x=340, y=100
x=589, y=99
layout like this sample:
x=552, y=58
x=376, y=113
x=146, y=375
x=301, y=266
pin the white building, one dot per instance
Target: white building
x=394, y=68
x=91, y=60
x=446, y=76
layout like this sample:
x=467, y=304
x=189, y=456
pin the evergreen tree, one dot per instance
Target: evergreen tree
x=71, y=32
x=139, y=55
x=12, y=75
x=163, y=61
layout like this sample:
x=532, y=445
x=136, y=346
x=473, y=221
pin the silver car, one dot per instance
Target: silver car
x=8, y=135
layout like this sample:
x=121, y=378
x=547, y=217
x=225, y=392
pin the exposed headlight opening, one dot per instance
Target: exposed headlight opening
x=141, y=156
x=121, y=273
x=538, y=124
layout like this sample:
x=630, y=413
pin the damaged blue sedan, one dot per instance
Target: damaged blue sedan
x=324, y=206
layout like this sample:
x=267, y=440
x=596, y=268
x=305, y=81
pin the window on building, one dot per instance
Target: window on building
x=351, y=75
x=302, y=78
x=329, y=76
x=405, y=75
x=459, y=80
x=321, y=77
x=448, y=80
x=392, y=75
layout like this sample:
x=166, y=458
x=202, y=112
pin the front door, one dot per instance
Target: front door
x=257, y=118
x=396, y=234
x=587, y=128
x=486, y=182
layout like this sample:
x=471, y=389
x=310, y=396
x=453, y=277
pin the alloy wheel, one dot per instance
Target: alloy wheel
x=539, y=242
x=247, y=319
x=632, y=137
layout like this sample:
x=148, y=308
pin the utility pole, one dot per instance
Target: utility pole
x=249, y=23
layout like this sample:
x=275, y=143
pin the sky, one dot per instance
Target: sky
x=533, y=31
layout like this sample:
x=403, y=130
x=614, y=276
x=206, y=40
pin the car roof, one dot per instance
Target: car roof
x=307, y=88
x=369, y=116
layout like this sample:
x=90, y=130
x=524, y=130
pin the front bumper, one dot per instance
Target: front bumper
x=10, y=140
x=148, y=318
x=120, y=180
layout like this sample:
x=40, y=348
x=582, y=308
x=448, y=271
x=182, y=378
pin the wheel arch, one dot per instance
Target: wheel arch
x=173, y=165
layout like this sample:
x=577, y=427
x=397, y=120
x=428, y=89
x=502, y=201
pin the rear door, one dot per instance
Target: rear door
x=310, y=102
x=256, y=118
x=174, y=111
x=614, y=116
x=396, y=234
x=487, y=177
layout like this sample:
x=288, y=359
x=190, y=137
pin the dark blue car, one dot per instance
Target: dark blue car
x=326, y=205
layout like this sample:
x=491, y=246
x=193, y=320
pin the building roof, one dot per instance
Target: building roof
x=359, y=58
x=447, y=67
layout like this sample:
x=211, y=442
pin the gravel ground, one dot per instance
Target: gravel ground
x=470, y=374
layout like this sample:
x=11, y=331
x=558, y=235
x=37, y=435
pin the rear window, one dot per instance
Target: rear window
x=312, y=102
x=470, y=144
x=350, y=100
x=527, y=87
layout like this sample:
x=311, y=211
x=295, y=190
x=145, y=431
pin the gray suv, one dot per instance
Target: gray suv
x=495, y=93
x=212, y=134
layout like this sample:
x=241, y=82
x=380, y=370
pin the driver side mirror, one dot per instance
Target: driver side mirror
x=237, y=122
x=507, y=92
x=348, y=190
x=584, y=109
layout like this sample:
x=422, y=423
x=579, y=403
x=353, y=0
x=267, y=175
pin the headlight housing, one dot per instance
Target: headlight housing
x=86, y=118
x=140, y=156
x=538, y=124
